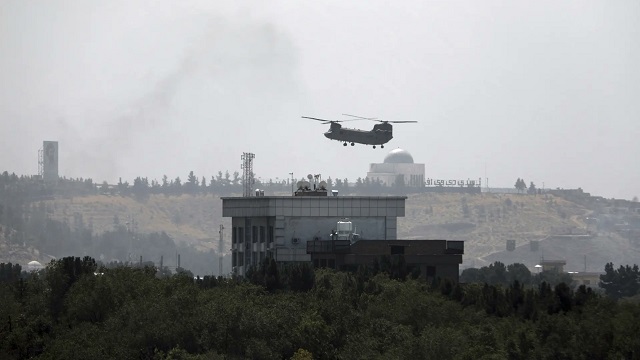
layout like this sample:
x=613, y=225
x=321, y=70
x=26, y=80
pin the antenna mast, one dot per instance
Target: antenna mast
x=247, y=174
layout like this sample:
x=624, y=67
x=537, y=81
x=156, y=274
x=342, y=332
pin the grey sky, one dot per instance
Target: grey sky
x=543, y=90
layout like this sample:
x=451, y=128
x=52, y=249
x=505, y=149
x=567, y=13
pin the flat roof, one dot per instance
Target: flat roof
x=312, y=197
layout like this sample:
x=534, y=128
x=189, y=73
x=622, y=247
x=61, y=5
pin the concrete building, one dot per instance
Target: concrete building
x=589, y=279
x=433, y=258
x=398, y=166
x=553, y=265
x=281, y=226
x=341, y=232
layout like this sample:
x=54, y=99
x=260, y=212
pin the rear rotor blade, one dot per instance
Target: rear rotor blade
x=325, y=121
x=401, y=121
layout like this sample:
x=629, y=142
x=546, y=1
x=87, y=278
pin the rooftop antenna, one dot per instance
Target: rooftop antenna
x=247, y=173
x=486, y=178
x=292, y=192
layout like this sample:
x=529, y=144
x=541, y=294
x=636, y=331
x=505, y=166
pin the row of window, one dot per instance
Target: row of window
x=255, y=258
x=257, y=234
x=331, y=264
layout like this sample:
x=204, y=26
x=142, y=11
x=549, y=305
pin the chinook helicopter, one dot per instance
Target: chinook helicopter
x=379, y=135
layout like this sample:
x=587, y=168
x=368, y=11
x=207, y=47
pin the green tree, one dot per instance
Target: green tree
x=192, y=183
x=519, y=272
x=61, y=275
x=521, y=185
x=203, y=185
x=123, y=187
x=621, y=282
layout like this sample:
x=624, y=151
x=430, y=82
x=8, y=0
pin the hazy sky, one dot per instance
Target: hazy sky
x=544, y=90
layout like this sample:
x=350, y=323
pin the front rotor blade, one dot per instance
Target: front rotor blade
x=360, y=117
x=316, y=119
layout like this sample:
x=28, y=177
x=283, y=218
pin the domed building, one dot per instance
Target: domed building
x=398, y=168
x=34, y=266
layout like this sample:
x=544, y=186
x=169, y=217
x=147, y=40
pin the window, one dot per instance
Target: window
x=270, y=234
x=233, y=235
x=332, y=264
x=240, y=235
x=234, y=260
x=262, y=236
x=397, y=250
x=254, y=234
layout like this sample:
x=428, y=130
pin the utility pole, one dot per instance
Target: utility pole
x=291, y=183
x=220, y=251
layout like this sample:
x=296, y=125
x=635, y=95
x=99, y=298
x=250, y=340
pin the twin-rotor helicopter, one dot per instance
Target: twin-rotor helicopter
x=379, y=135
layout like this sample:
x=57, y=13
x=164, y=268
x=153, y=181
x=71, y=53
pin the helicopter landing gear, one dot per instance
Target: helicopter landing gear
x=381, y=146
x=352, y=144
x=345, y=144
x=374, y=146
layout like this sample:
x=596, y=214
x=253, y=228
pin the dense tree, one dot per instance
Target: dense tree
x=192, y=183
x=520, y=185
x=126, y=312
x=621, y=282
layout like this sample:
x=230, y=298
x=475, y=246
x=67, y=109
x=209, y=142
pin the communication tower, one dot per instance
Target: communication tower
x=247, y=173
x=48, y=161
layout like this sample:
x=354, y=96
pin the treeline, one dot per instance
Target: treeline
x=225, y=184
x=75, y=309
x=500, y=274
x=32, y=188
x=617, y=283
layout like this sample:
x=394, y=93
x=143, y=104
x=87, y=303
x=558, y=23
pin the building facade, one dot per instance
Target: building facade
x=397, y=169
x=432, y=258
x=281, y=226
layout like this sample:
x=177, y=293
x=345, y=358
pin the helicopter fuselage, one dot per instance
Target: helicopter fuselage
x=380, y=134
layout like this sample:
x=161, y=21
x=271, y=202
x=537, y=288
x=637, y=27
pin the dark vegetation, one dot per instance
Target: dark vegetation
x=77, y=309
x=501, y=274
x=82, y=308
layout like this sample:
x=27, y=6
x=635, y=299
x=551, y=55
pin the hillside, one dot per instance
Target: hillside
x=484, y=221
x=186, y=218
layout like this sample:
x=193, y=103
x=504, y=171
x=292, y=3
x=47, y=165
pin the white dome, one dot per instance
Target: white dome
x=34, y=265
x=399, y=156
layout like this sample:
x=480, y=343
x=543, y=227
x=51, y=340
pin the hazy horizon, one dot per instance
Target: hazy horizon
x=545, y=91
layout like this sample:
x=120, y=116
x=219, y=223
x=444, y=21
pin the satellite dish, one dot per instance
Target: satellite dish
x=323, y=184
x=309, y=176
x=307, y=185
x=300, y=184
